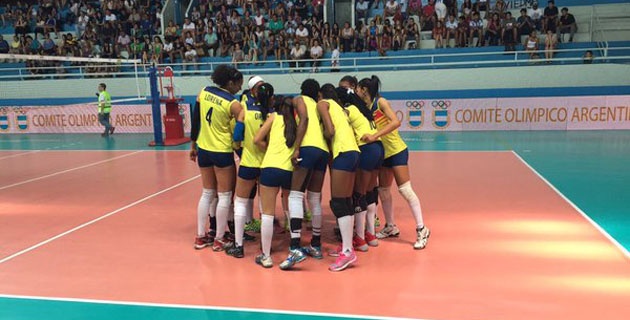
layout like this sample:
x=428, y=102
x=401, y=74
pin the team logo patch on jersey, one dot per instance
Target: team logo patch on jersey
x=441, y=117
x=4, y=119
x=415, y=115
x=22, y=118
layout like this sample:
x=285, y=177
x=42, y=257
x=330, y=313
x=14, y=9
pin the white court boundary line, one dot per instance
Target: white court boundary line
x=68, y=170
x=214, y=308
x=18, y=154
x=31, y=248
x=582, y=213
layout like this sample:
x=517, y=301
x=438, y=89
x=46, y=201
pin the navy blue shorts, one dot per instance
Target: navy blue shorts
x=399, y=159
x=274, y=177
x=313, y=158
x=371, y=157
x=248, y=173
x=346, y=161
x=207, y=159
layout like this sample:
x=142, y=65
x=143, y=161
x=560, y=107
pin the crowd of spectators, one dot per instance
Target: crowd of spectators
x=252, y=31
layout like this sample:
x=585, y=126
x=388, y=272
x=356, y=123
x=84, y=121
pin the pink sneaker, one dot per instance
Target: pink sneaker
x=343, y=261
x=359, y=244
x=371, y=239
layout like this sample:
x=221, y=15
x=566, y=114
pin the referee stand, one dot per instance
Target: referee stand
x=163, y=92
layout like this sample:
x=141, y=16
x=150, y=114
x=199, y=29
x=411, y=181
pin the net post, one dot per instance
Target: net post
x=155, y=105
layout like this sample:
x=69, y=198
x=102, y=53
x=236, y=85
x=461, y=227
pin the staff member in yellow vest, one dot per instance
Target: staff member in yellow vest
x=345, y=154
x=310, y=161
x=256, y=109
x=212, y=149
x=104, y=109
x=277, y=137
x=395, y=164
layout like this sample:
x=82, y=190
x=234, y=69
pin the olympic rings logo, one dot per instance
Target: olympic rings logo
x=415, y=104
x=440, y=104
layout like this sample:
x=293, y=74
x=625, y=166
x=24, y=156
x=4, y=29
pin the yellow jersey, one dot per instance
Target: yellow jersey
x=360, y=124
x=343, y=140
x=314, y=135
x=252, y=156
x=392, y=142
x=214, y=107
x=278, y=155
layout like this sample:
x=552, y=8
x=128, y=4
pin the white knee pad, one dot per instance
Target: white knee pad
x=407, y=192
x=315, y=203
x=225, y=200
x=240, y=206
x=296, y=204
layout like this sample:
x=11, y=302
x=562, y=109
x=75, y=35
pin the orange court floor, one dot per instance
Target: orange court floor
x=109, y=234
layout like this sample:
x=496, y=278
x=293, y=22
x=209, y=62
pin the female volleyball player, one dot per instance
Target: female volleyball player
x=395, y=163
x=345, y=154
x=278, y=137
x=365, y=191
x=309, y=161
x=256, y=109
x=212, y=148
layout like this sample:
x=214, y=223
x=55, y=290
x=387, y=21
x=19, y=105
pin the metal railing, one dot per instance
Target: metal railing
x=353, y=64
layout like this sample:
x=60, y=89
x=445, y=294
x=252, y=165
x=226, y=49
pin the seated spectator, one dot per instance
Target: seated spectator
x=21, y=26
x=238, y=56
x=123, y=43
x=316, y=54
x=567, y=24
x=438, y=34
x=33, y=46
x=531, y=45
x=440, y=10
x=391, y=8
x=397, y=40
x=451, y=7
x=551, y=42
x=296, y=55
x=509, y=32
x=137, y=47
x=211, y=40
x=467, y=8
x=500, y=8
x=334, y=60
x=386, y=42
x=188, y=26
x=588, y=57
x=16, y=46
x=536, y=14
x=282, y=51
x=462, y=32
x=550, y=17
x=51, y=25
x=275, y=25
x=301, y=9
x=347, y=37
x=302, y=34
x=82, y=23
x=427, y=20
x=412, y=33
x=317, y=8
x=362, y=10
x=360, y=36
x=259, y=18
x=48, y=46
x=451, y=30
x=253, y=47
x=482, y=6
x=493, y=31
x=157, y=50
x=190, y=56
x=475, y=27
x=169, y=51
x=4, y=45
x=525, y=25
x=415, y=8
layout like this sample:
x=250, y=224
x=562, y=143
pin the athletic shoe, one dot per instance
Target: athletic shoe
x=359, y=244
x=344, y=260
x=422, y=239
x=202, y=242
x=264, y=261
x=253, y=226
x=236, y=251
x=220, y=245
x=229, y=236
x=377, y=222
x=248, y=237
x=295, y=256
x=371, y=239
x=111, y=130
x=336, y=252
x=390, y=230
x=315, y=252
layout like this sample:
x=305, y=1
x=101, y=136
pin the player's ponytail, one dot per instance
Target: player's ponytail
x=372, y=85
x=265, y=97
x=290, y=125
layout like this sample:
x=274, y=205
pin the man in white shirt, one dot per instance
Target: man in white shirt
x=109, y=16
x=297, y=53
x=316, y=53
x=302, y=34
x=362, y=9
x=334, y=60
x=188, y=26
x=391, y=7
x=123, y=42
x=259, y=18
x=536, y=14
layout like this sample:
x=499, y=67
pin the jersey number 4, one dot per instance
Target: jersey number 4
x=209, y=115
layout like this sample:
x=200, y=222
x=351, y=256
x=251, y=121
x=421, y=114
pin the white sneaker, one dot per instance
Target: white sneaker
x=264, y=261
x=390, y=230
x=422, y=239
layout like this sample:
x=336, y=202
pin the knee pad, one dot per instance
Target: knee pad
x=296, y=204
x=225, y=199
x=359, y=202
x=407, y=192
x=341, y=207
x=372, y=196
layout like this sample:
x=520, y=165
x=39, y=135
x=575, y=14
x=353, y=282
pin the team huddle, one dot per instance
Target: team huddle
x=285, y=144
